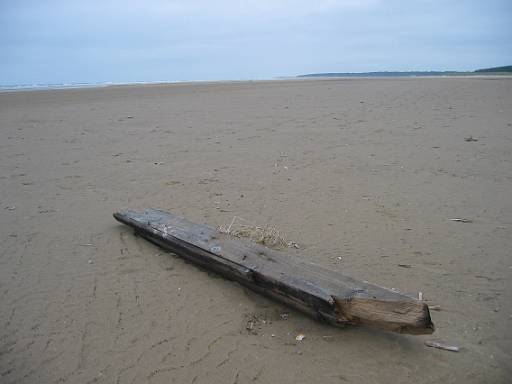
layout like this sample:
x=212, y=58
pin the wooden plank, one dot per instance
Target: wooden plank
x=316, y=291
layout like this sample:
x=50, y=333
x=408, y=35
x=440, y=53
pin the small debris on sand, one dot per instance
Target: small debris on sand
x=439, y=345
x=462, y=220
x=250, y=325
x=470, y=138
x=300, y=337
x=254, y=322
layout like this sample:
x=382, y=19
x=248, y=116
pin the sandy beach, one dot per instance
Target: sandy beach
x=365, y=175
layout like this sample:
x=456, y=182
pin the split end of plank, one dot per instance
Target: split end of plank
x=412, y=317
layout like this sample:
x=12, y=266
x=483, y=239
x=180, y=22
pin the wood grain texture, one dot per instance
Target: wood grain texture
x=318, y=292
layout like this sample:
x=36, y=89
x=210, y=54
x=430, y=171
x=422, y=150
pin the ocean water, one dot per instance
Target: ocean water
x=36, y=87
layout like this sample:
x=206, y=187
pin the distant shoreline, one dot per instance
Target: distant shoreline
x=403, y=74
x=318, y=76
x=494, y=71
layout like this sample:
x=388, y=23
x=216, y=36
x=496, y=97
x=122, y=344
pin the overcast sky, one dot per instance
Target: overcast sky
x=56, y=41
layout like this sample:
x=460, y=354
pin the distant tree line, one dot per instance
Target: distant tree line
x=507, y=68
x=504, y=69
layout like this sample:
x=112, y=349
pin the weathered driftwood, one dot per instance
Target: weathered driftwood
x=321, y=293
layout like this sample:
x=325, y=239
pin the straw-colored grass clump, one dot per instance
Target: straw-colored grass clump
x=268, y=235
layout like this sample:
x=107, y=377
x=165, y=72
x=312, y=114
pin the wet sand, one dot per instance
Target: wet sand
x=364, y=174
